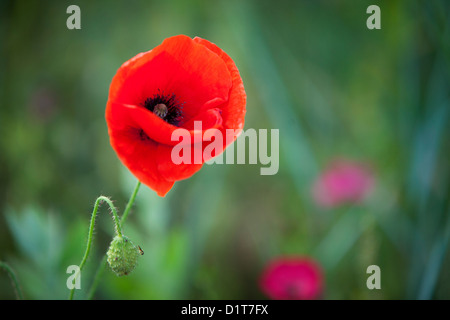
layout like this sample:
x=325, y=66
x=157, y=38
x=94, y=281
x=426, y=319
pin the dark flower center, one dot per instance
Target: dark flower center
x=160, y=110
x=165, y=106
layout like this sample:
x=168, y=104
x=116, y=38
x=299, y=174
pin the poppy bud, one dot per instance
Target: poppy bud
x=122, y=255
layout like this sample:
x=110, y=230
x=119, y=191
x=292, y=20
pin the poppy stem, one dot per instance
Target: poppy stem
x=102, y=265
x=91, y=233
x=97, y=277
x=13, y=277
x=130, y=203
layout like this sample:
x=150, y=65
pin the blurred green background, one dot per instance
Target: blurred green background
x=311, y=69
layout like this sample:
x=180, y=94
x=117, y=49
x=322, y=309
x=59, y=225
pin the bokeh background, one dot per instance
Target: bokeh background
x=311, y=69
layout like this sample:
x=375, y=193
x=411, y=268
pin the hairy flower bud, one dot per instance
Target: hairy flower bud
x=122, y=255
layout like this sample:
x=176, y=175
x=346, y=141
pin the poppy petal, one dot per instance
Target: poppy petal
x=235, y=108
x=171, y=171
x=123, y=116
x=178, y=66
x=139, y=157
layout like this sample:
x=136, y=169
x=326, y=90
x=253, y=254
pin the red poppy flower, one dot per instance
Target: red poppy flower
x=179, y=82
x=292, y=278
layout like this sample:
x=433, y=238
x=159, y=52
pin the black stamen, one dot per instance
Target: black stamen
x=165, y=106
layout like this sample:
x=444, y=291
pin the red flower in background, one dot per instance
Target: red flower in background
x=292, y=278
x=178, y=82
x=343, y=181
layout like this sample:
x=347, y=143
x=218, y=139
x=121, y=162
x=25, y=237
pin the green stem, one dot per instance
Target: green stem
x=97, y=277
x=102, y=265
x=130, y=202
x=91, y=232
x=13, y=278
